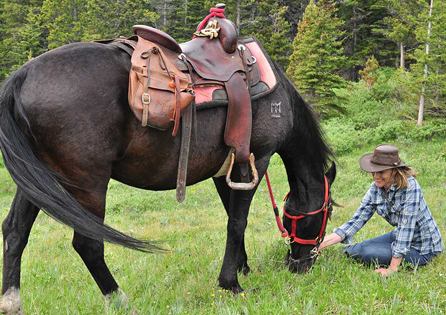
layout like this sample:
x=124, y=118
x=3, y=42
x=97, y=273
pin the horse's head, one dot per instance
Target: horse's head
x=306, y=212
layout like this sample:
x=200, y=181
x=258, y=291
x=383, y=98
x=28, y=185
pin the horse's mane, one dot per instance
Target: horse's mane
x=307, y=131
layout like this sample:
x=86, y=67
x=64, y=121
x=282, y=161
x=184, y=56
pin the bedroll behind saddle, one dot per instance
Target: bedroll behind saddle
x=155, y=84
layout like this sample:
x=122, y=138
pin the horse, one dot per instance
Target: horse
x=66, y=130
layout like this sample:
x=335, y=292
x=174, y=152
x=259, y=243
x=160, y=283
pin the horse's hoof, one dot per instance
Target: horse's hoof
x=246, y=270
x=250, y=290
x=10, y=304
x=117, y=300
x=237, y=289
x=14, y=311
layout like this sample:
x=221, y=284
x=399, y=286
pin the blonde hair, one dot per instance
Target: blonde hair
x=402, y=174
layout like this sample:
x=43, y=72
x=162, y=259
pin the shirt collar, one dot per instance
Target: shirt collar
x=391, y=188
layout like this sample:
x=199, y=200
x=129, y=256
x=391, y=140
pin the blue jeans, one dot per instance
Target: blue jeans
x=378, y=250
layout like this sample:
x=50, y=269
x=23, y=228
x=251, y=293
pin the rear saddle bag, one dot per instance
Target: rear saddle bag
x=158, y=91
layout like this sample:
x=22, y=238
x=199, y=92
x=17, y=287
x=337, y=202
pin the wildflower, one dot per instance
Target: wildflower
x=212, y=294
x=242, y=294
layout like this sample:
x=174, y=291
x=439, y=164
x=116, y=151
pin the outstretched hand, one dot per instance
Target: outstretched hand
x=385, y=272
x=329, y=240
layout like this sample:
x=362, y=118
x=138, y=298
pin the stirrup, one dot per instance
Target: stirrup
x=243, y=186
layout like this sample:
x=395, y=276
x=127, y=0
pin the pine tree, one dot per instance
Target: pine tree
x=62, y=20
x=364, y=37
x=400, y=22
x=430, y=69
x=317, y=54
x=271, y=29
x=21, y=37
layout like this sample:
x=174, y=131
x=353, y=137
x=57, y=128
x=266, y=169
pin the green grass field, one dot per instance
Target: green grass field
x=184, y=280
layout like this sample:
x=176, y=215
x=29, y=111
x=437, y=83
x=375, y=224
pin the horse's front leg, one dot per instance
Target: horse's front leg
x=239, y=203
x=16, y=228
x=225, y=194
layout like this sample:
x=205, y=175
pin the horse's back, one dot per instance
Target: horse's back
x=75, y=98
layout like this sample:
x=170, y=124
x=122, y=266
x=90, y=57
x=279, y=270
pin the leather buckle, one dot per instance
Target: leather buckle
x=145, y=98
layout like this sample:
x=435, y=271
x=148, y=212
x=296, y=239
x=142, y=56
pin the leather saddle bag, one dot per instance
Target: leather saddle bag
x=158, y=91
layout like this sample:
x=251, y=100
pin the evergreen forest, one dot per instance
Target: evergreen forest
x=377, y=66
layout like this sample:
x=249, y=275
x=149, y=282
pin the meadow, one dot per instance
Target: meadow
x=184, y=279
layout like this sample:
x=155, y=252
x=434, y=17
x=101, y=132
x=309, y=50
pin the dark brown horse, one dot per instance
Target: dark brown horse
x=66, y=129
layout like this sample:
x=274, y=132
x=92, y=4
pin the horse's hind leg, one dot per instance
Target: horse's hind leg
x=92, y=252
x=16, y=228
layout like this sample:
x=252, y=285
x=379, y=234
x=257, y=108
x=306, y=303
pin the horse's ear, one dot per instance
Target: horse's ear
x=331, y=173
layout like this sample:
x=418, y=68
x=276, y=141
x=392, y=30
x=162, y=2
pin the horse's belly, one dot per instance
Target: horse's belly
x=151, y=159
x=163, y=175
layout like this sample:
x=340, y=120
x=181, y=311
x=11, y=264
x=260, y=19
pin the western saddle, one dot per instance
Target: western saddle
x=165, y=76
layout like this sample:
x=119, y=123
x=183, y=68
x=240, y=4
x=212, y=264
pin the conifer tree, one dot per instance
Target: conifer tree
x=114, y=18
x=430, y=69
x=364, y=27
x=21, y=37
x=271, y=29
x=317, y=54
x=63, y=21
x=400, y=22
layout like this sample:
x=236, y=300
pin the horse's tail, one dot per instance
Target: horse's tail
x=41, y=184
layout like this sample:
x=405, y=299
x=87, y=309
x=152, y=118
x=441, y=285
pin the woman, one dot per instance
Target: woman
x=396, y=196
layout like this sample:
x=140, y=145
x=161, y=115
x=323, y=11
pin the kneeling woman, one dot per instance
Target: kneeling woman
x=396, y=196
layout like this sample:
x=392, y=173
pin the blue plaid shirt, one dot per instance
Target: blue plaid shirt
x=404, y=208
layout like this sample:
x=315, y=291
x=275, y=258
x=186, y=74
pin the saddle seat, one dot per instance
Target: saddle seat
x=211, y=59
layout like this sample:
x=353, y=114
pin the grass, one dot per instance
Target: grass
x=184, y=281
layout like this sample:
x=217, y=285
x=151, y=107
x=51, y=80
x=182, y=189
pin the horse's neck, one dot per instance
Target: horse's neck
x=303, y=179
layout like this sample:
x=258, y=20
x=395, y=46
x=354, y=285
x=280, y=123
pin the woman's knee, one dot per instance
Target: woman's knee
x=369, y=253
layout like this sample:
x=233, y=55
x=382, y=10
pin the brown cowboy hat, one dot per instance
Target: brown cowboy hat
x=383, y=158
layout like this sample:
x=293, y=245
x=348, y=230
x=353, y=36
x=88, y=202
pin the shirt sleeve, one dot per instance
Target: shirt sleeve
x=407, y=220
x=361, y=216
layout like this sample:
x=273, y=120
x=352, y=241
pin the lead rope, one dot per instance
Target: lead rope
x=276, y=212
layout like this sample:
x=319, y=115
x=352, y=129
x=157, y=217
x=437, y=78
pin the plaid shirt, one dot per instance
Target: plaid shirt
x=404, y=208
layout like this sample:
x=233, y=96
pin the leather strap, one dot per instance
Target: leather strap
x=184, y=152
x=239, y=118
x=177, y=105
x=145, y=95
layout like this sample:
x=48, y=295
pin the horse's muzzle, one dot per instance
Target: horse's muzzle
x=300, y=265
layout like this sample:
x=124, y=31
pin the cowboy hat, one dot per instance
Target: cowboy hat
x=383, y=158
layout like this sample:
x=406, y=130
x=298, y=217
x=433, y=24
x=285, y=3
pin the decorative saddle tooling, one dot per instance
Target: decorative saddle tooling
x=170, y=80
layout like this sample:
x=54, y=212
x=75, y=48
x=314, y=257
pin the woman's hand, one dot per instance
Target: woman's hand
x=329, y=240
x=393, y=267
x=384, y=272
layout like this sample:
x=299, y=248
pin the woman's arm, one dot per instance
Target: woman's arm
x=329, y=240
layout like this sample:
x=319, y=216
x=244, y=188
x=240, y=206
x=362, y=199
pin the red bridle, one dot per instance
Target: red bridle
x=292, y=238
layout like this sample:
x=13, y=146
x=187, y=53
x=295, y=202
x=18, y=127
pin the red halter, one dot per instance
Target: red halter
x=294, y=219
